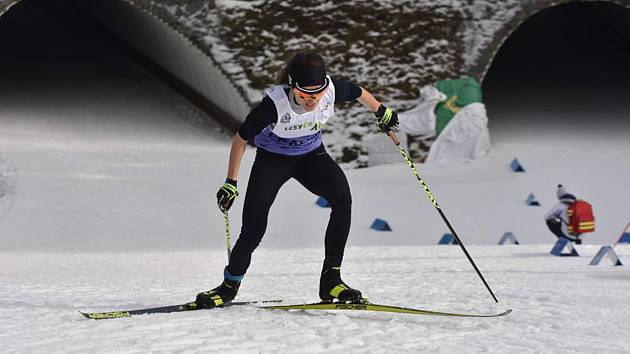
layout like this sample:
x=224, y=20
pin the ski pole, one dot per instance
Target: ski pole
x=228, y=241
x=430, y=196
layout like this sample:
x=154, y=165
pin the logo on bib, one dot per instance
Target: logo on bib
x=306, y=126
x=286, y=118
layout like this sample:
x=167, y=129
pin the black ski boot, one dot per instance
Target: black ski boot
x=331, y=287
x=219, y=296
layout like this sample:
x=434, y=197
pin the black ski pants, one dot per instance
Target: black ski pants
x=318, y=173
x=555, y=226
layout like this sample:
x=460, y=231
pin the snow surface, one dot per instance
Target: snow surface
x=561, y=305
x=109, y=205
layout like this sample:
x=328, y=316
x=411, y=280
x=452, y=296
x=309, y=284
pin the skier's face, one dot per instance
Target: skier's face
x=308, y=101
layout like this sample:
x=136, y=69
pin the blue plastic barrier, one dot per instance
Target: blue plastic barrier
x=625, y=235
x=508, y=237
x=607, y=251
x=516, y=166
x=560, y=246
x=447, y=239
x=531, y=200
x=380, y=225
x=624, y=238
x=322, y=202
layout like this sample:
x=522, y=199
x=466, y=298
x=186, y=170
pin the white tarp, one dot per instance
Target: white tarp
x=420, y=121
x=464, y=138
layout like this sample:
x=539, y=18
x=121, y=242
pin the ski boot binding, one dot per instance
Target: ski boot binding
x=332, y=288
x=219, y=296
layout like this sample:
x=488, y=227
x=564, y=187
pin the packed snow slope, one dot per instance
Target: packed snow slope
x=561, y=305
x=107, y=203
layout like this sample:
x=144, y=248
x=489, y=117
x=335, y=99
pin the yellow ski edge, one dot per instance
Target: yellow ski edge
x=377, y=308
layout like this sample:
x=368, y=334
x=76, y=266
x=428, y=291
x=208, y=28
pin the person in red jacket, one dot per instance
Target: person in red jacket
x=557, y=218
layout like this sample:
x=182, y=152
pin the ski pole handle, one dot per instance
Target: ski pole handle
x=392, y=135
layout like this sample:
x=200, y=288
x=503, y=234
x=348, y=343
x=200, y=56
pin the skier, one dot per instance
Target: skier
x=287, y=129
x=557, y=218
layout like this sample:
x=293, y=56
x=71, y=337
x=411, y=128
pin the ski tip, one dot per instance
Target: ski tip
x=105, y=315
x=90, y=315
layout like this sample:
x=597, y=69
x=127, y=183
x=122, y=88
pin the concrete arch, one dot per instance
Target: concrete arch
x=565, y=70
x=160, y=41
x=487, y=54
x=6, y=5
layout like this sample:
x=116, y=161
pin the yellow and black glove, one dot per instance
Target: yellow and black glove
x=387, y=118
x=226, y=195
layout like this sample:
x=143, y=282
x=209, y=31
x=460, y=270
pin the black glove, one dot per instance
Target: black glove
x=387, y=118
x=226, y=195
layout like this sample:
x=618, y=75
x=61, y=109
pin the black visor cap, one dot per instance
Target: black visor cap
x=307, y=72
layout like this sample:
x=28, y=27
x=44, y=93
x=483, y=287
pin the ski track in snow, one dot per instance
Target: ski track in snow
x=560, y=304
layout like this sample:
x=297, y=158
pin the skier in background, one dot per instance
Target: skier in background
x=557, y=218
x=286, y=127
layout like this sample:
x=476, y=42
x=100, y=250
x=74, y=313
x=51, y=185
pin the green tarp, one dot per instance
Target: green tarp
x=460, y=92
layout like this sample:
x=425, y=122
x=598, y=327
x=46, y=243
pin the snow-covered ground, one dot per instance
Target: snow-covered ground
x=108, y=204
x=561, y=305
